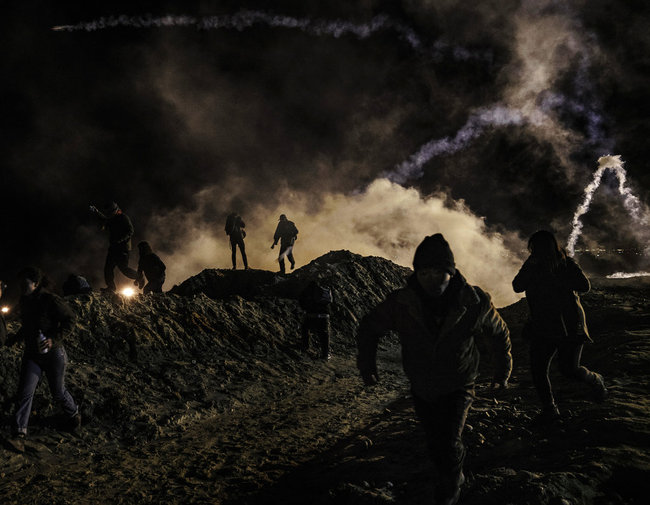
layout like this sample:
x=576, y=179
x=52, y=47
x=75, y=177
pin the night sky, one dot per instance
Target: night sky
x=181, y=125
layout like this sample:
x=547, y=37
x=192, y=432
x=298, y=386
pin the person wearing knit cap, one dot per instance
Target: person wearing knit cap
x=438, y=317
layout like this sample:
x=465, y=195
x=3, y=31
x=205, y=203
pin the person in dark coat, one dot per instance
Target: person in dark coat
x=315, y=300
x=76, y=285
x=438, y=317
x=3, y=324
x=46, y=321
x=287, y=233
x=557, y=324
x=235, y=230
x=151, y=266
x=120, y=231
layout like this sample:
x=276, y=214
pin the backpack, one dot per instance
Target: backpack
x=230, y=223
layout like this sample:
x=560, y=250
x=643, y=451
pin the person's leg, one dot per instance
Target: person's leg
x=290, y=257
x=283, y=253
x=233, y=249
x=55, y=373
x=324, y=336
x=542, y=351
x=443, y=421
x=109, y=266
x=122, y=260
x=569, y=356
x=242, y=248
x=30, y=374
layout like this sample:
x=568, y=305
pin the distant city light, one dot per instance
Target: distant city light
x=128, y=292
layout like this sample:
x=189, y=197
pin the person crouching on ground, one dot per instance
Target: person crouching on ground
x=46, y=321
x=151, y=266
x=557, y=322
x=438, y=316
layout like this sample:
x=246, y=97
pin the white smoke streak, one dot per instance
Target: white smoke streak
x=630, y=201
x=246, y=19
x=627, y=275
x=495, y=116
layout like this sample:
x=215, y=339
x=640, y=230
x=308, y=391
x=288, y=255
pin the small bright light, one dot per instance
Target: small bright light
x=129, y=292
x=5, y=310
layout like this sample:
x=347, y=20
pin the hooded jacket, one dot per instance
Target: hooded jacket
x=120, y=231
x=437, y=359
x=555, y=308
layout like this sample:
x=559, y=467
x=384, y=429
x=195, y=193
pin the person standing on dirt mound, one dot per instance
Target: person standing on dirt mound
x=438, y=316
x=315, y=300
x=557, y=323
x=235, y=230
x=46, y=321
x=120, y=231
x=287, y=233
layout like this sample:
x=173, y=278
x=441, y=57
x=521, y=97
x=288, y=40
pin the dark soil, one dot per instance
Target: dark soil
x=200, y=395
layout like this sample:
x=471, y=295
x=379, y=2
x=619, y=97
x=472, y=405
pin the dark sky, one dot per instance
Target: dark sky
x=151, y=117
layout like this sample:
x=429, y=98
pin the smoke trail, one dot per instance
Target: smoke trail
x=247, y=19
x=625, y=275
x=630, y=201
x=497, y=115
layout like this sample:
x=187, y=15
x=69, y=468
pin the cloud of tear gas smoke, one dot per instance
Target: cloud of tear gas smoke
x=638, y=212
x=386, y=220
x=548, y=43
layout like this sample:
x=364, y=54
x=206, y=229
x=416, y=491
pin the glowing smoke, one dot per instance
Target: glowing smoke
x=631, y=202
x=386, y=220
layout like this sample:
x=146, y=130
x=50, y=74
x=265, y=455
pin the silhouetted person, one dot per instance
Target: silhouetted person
x=235, y=230
x=46, y=321
x=3, y=324
x=315, y=301
x=438, y=316
x=76, y=285
x=287, y=233
x=557, y=322
x=120, y=231
x=151, y=267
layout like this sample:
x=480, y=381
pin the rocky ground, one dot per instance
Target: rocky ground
x=201, y=396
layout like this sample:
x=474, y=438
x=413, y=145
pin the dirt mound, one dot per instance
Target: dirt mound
x=200, y=396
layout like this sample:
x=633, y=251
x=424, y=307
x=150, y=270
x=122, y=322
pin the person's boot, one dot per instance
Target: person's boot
x=597, y=385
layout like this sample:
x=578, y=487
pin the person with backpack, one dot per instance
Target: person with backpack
x=315, y=300
x=235, y=230
x=120, y=230
x=287, y=233
x=46, y=322
x=151, y=266
x=557, y=324
x=438, y=317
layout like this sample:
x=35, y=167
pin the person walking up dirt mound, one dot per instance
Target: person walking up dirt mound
x=315, y=300
x=46, y=321
x=557, y=322
x=287, y=233
x=120, y=231
x=151, y=267
x=438, y=317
